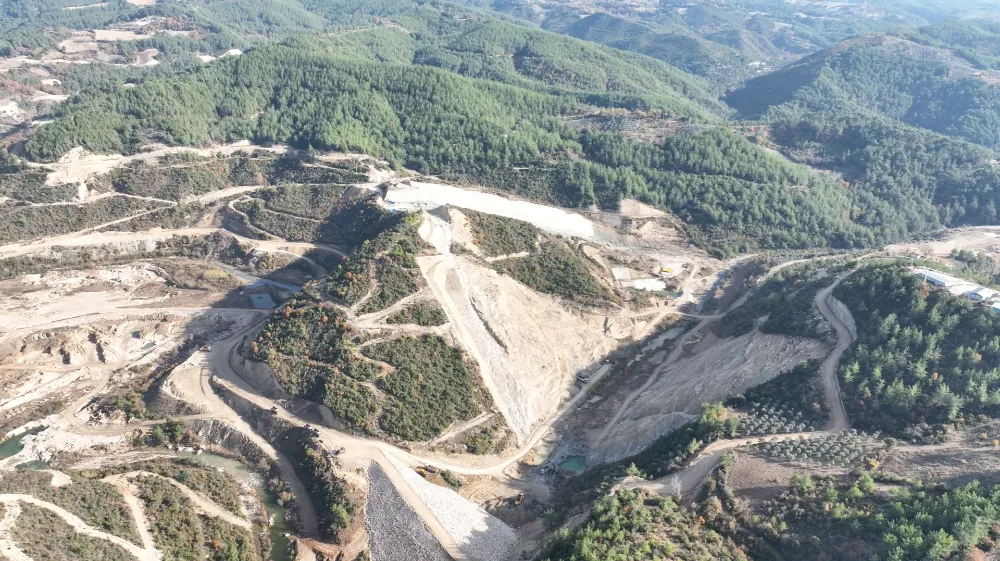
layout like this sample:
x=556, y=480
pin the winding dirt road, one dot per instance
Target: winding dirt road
x=191, y=380
x=91, y=237
x=129, y=495
x=8, y=549
x=690, y=479
x=79, y=525
x=838, y=415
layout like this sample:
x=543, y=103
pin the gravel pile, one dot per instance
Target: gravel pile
x=479, y=534
x=396, y=531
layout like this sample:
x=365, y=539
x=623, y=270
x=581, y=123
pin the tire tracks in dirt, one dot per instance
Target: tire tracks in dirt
x=690, y=479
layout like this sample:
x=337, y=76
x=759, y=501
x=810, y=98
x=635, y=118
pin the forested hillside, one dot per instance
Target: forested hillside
x=729, y=40
x=924, y=358
x=720, y=63
x=942, y=87
x=471, y=97
x=735, y=196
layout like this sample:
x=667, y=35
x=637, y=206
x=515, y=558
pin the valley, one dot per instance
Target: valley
x=486, y=281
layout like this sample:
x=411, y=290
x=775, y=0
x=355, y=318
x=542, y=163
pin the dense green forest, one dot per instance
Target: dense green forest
x=908, y=119
x=391, y=103
x=479, y=98
x=714, y=59
x=631, y=526
x=923, y=359
x=729, y=40
x=930, y=87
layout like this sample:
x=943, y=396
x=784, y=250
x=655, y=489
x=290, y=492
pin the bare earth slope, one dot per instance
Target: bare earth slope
x=712, y=371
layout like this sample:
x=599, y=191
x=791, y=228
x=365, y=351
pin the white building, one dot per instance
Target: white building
x=938, y=278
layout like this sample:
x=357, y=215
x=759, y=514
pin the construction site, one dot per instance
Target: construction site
x=121, y=351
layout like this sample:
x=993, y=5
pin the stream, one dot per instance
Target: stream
x=279, y=543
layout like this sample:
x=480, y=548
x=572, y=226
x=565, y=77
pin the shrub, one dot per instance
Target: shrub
x=98, y=504
x=43, y=536
x=431, y=388
x=556, y=269
x=633, y=525
x=316, y=468
x=499, y=235
x=420, y=313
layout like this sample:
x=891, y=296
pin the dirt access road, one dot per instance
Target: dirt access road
x=675, y=355
x=79, y=525
x=192, y=377
x=91, y=238
x=690, y=480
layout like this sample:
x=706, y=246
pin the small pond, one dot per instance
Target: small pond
x=12, y=446
x=574, y=464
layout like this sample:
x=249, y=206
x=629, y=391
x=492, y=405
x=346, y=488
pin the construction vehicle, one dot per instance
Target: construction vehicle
x=274, y=410
x=206, y=349
x=339, y=451
x=519, y=499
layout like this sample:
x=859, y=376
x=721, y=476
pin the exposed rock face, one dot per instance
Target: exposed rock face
x=260, y=375
x=716, y=370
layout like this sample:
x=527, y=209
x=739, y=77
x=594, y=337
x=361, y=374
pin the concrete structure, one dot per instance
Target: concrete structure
x=955, y=285
x=654, y=285
x=980, y=295
x=626, y=279
x=963, y=289
x=621, y=274
x=262, y=301
x=937, y=278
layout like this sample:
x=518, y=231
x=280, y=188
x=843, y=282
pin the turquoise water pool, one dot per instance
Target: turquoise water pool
x=279, y=543
x=13, y=446
x=574, y=464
